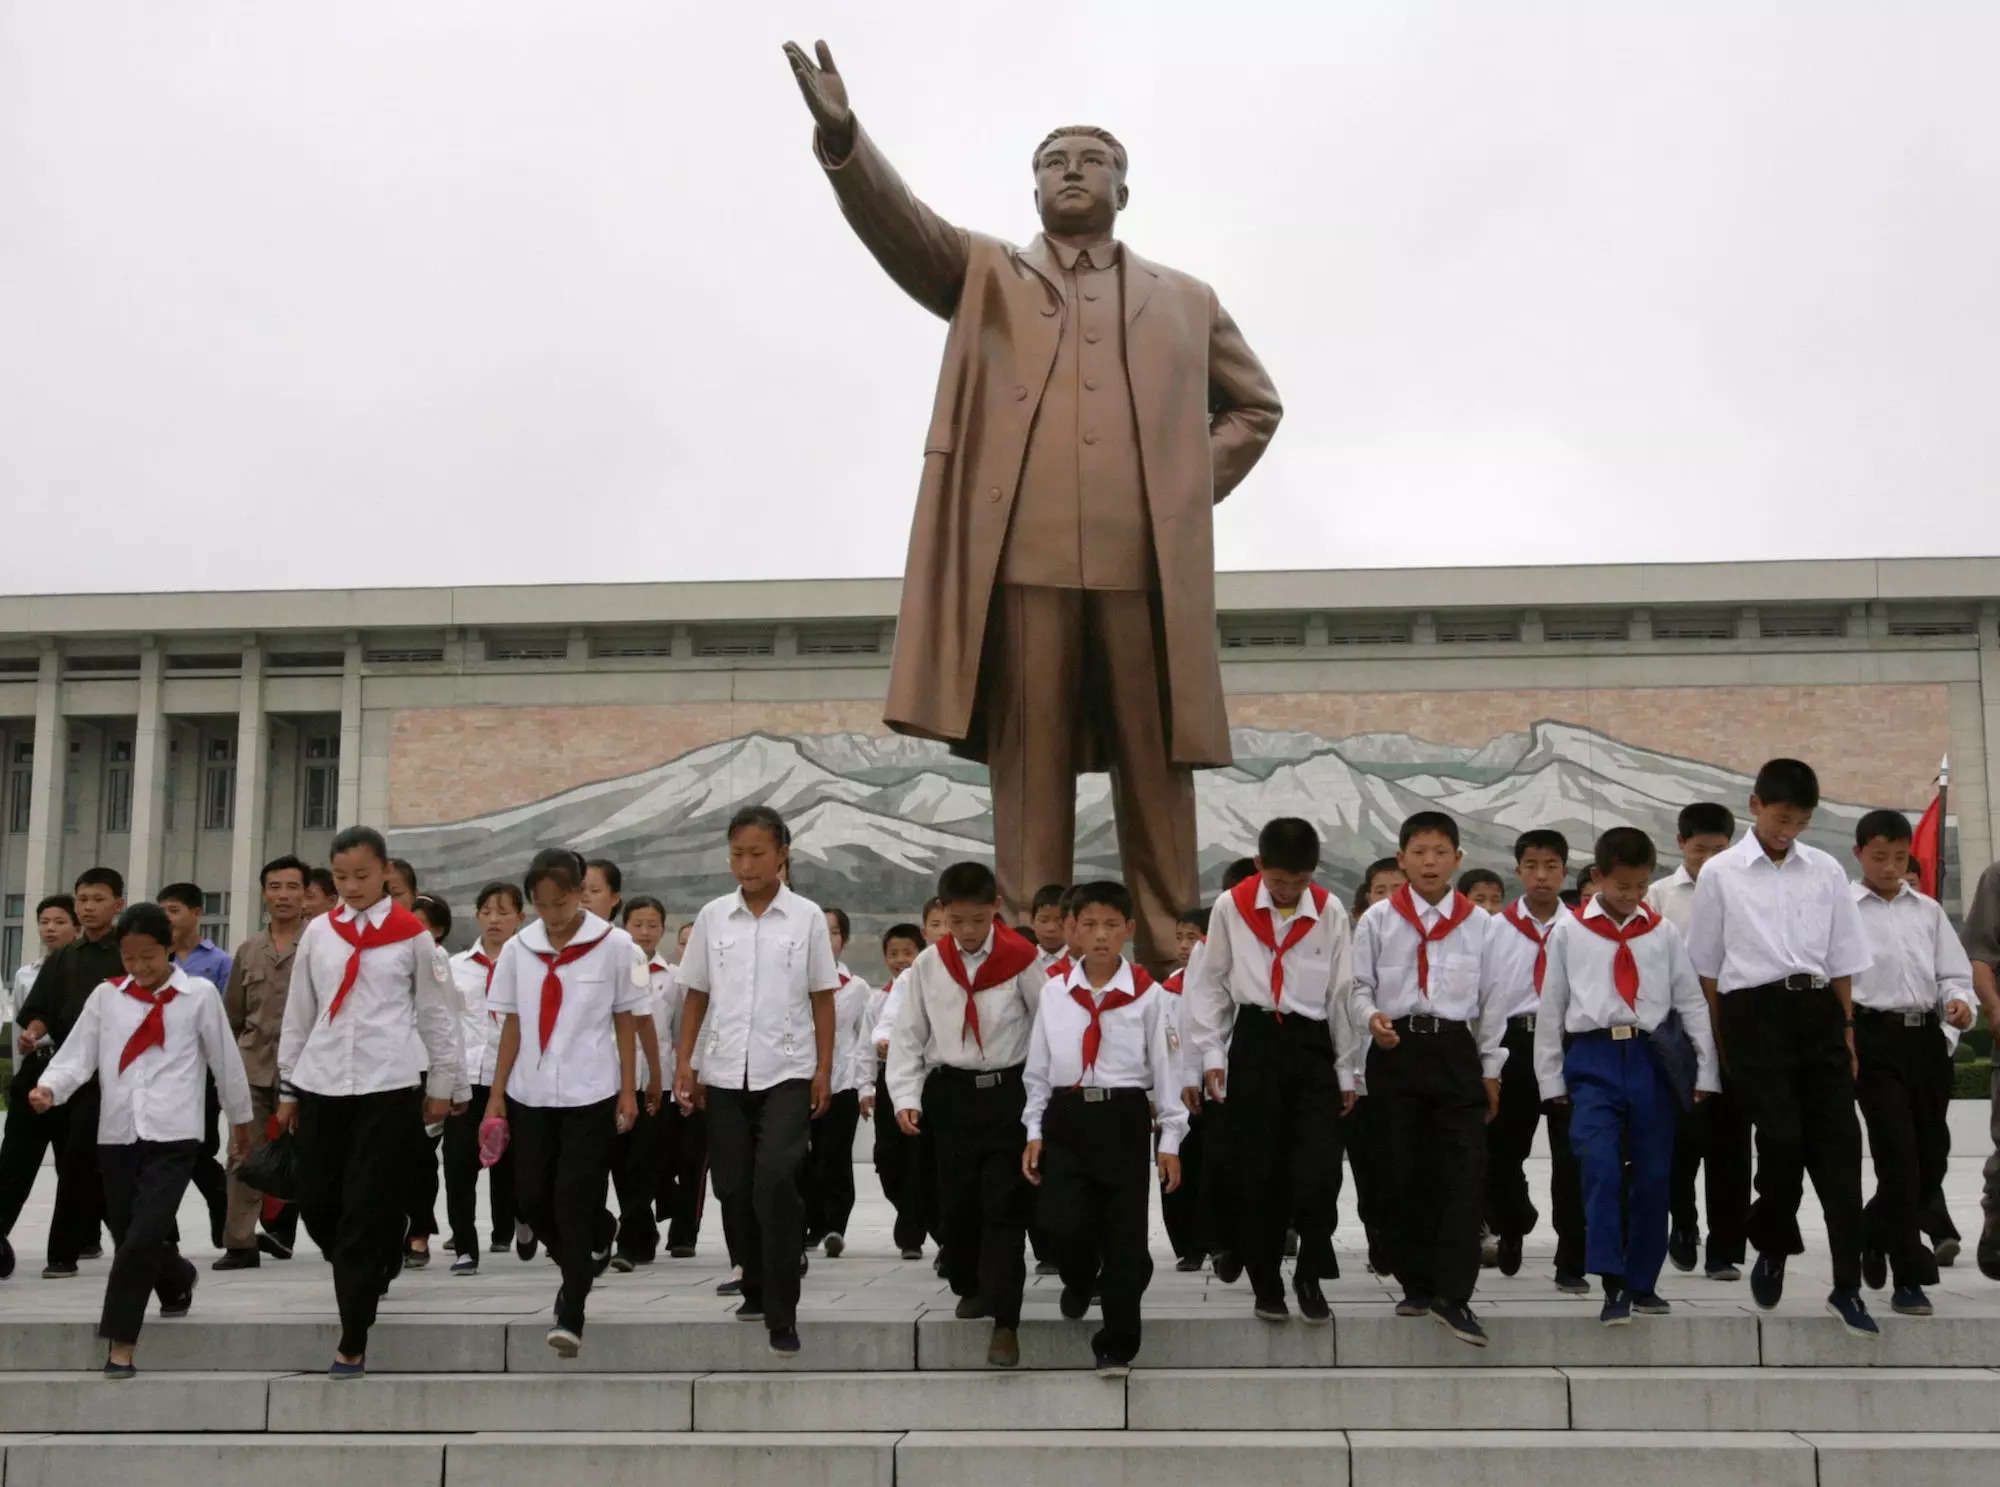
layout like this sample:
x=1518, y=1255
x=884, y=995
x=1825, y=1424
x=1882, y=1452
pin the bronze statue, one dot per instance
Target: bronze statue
x=1059, y=600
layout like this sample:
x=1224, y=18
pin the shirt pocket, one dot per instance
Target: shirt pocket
x=1810, y=928
x=1455, y=975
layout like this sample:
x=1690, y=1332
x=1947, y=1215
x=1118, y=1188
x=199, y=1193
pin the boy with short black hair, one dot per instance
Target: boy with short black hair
x=499, y=912
x=1435, y=1064
x=1099, y=1067
x=1272, y=990
x=1379, y=879
x=1703, y=829
x=321, y=896
x=1516, y=966
x=1777, y=939
x=955, y=1065
x=1484, y=887
x=1909, y=1004
x=1046, y=921
x=1616, y=973
x=826, y=1181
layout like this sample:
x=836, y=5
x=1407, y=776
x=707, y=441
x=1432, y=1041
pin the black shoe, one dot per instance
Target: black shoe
x=1651, y=1304
x=1853, y=1313
x=6, y=1259
x=750, y=1311
x=1291, y=1244
x=911, y=1254
x=1003, y=1348
x=623, y=1264
x=784, y=1342
x=1312, y=1300
x=1413, y=1305
x=1042, y=1267
x=119, y=1370
x=466, y=1264
x=1509, y=1258
x=1910, y=1301
x=96, y=1251
x=1723, y=1270
x=270, y=1244
x=1228, y=1267
x=237, y=1259
x=1874, y=1269
x=600, y=1261
x=1458, y=1320
x=1188, y=1264
x=731, y=1287
x=416, y=1259
x=1767, y=1281
x=1681, y=1248
x=1572, y=1284
x=969, y=1309
x=1988, y=1252
x=834, y=1246
x=681, y=1252
x=1104, y=1362
x=525, y=1243
x=1617, y=1308
x=339, y=1370
x=1272, y=1308
x=1073, y=1303
x=1947, y=1253
x=498, y=1247
x=179, y=1306
x=58, y=1272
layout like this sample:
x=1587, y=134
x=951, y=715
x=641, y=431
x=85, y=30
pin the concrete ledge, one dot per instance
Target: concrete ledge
x=1577, y=1458
x=302, y=1344
x=1906, y=1460
x=1935, y=1399
x=1121, y=1458
x=640, y=1344
x=1812, y=1339
x=640, y=1460
x=908, y=1401
x=1170, y=1341
x=451, y=1403
x=1541, y=1335
x=221, y=1460
x=50, y=1402
x=1348, y=1398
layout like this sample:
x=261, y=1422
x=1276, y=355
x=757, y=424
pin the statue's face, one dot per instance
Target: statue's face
x=1078, y=186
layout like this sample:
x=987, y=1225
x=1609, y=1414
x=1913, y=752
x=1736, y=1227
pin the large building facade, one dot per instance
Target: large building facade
x=192, y=736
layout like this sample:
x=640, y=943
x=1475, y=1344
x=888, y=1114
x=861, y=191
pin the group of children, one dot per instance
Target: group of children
x=1033, y=1086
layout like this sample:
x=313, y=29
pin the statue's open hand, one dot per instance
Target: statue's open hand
x=825, y=95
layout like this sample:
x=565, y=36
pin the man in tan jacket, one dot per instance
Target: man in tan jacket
x=255, y=1002
x=1058, y=609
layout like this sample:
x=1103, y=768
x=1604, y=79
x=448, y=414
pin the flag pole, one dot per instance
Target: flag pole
x=1944, y=785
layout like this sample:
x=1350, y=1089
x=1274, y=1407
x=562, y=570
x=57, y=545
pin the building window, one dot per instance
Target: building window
x=1574, y=627
x=70, y=773
x=632, y=645
x=20, y=784
x=749, y=642
x=1368, y=630
x=118, y=787
x=842, y=640
x=1801, y=624
x=520, y=647
x=218, y=786
x=10, y=951
x=1264, y=632
x=173, y=777
x=215, y=917
x=1693, y=624
x=1478, y=629
x=321, y=794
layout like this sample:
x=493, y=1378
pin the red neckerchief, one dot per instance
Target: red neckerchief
x=1404, y=902
x=1624, y=965
x=1061, y=966
x=152, y=1029
x=399, y=925
x=1522, y=920
x=1009, y=956
x=1173, y=982
x=1261, y=923
x=1093, y=1036
x=552, y=987
x=479, y=958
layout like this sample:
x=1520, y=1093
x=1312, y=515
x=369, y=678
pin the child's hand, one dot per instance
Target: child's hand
x=653, y=1095
x=1031, y=1162
x=1492, y=1100
x=1383, y=1031
x=1170, y=1172
x=1214, y=1081
x=906, y=1122
x=1958, y=1014
x=41, y=1099
x=239, y=1143
x=628, y=1111
x=867, y=1107
x=1191, y=1097
x=684, y=1090
x=435, y=1111
x=1348, y=1100
x=286, y=1116
x=882, y=1048
x=1699, y=1096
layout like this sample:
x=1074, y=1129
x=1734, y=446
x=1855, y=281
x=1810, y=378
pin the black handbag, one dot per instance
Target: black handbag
x=273, y=1169
x=1673, y=1056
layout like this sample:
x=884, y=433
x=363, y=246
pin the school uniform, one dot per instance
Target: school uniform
x=479, y=1033
x=1100, y=1066
x=1269, y=1002
x=424, y=1172
x=562, y=1092
x=1516, y=968
x=1422, y=966
x=371, y=1008
x=903, y=1164
x=151, y=1054
x=635, y=1156
x=210, y=963
x=1608, y=986
x=1184, y=1211
x=826, y=1182
x=956, y=1054
x=760, y=1054
x=1773, y=936
x=680, y=1141
x=1917, y=969
x=253, y=1001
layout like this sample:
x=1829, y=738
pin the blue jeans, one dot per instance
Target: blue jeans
x=1622, y=1110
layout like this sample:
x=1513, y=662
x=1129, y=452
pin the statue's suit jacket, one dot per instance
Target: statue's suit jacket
x=1205, y=411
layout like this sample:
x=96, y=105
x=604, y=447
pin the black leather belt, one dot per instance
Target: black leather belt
x=1521, y=1023
x=1424, y=1022
x=1905, y=1018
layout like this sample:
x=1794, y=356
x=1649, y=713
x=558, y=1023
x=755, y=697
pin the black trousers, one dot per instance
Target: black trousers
x=983, y=1199
x=1097, y=1170
x=144, y=1182
x=757, y=1141
x=79, y=1184
x=1215, y=1190
x=826, y=1182
x=1366, y=1138
x=1434, y=1114
x=1905, y=1093
x=24, y=1141
x=355, y=1153
x=1510, y=1137
x=634, y=1171
x=210, y=1180
x=680, y=1191
x=562, y=1166
x=1788, y=1053
x=461, y=1179
x=1184, y=1210
x=1284, y=1143
x=422, y=1177
x=907, y=1170
x=1714, y=1139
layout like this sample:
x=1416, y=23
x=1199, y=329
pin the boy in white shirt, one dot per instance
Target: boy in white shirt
x=566, y=1085
x=499, y=913
x=1777, y=939
x=1183, y=1210
x=760, y=980
x=826, y=1181
x=1909, y=1006
x=680, y=1148
x=370, y=1008
x=906, y=1179
x=1100, y=1065
x=1273, y=989
x=1616, y=971
x=1045, y=921
x=955, y=1063
x=150, y=1039
x=1435, y=1064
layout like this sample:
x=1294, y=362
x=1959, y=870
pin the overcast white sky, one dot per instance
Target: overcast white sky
x=389, y=292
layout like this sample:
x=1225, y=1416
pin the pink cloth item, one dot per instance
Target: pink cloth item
x=492, y=1140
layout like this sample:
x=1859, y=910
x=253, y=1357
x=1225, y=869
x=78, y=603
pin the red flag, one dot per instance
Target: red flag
x=1926, y=844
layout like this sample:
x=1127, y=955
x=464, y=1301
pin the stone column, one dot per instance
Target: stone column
x=246, y=847
x=347, y=806
x=45, y=803
x=149, y=778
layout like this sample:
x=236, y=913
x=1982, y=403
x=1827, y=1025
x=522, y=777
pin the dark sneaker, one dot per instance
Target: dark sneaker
x=681, y=1252
x=1617, y=1308
x=1681, y=1247
x=1723, y=1270
x=969, y=1309
x=1272, y=1308
x=1489, y=1248
x=1947, y=1253
x=623, y=1264
x=525, y=1243
x=1228, y=1267
x=1458, y=1320
x=1004, y=1349
x=466, y=1264
x=179, y=1306
x=498, y=1247
x=600, y=1261
x=750, y=1311
x=339, y=1370
x=911, y=1254
x=58, y=1272
x=238, y=1259
x=1188, y=1264
x=1073, y=1303
x=835, y=1246
x=1853, y=1313
x=1767, y=1281
x=270, y=1244
x=1413, y=1305
x=1312, y=1300
x=1874, y=1269
x=1910, y=1301
x=96, y=1251
x=119, y=1370
x=1042, y=1267
x=1651, y=1304
x=565, y=1342
x=416, y=1259
x=6, y=1259
x=1989, y=1248
x=784, y=1342
x=1572, y=1284
x=731, y=1287
x=1509, y=1254
x=1104, y=1363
